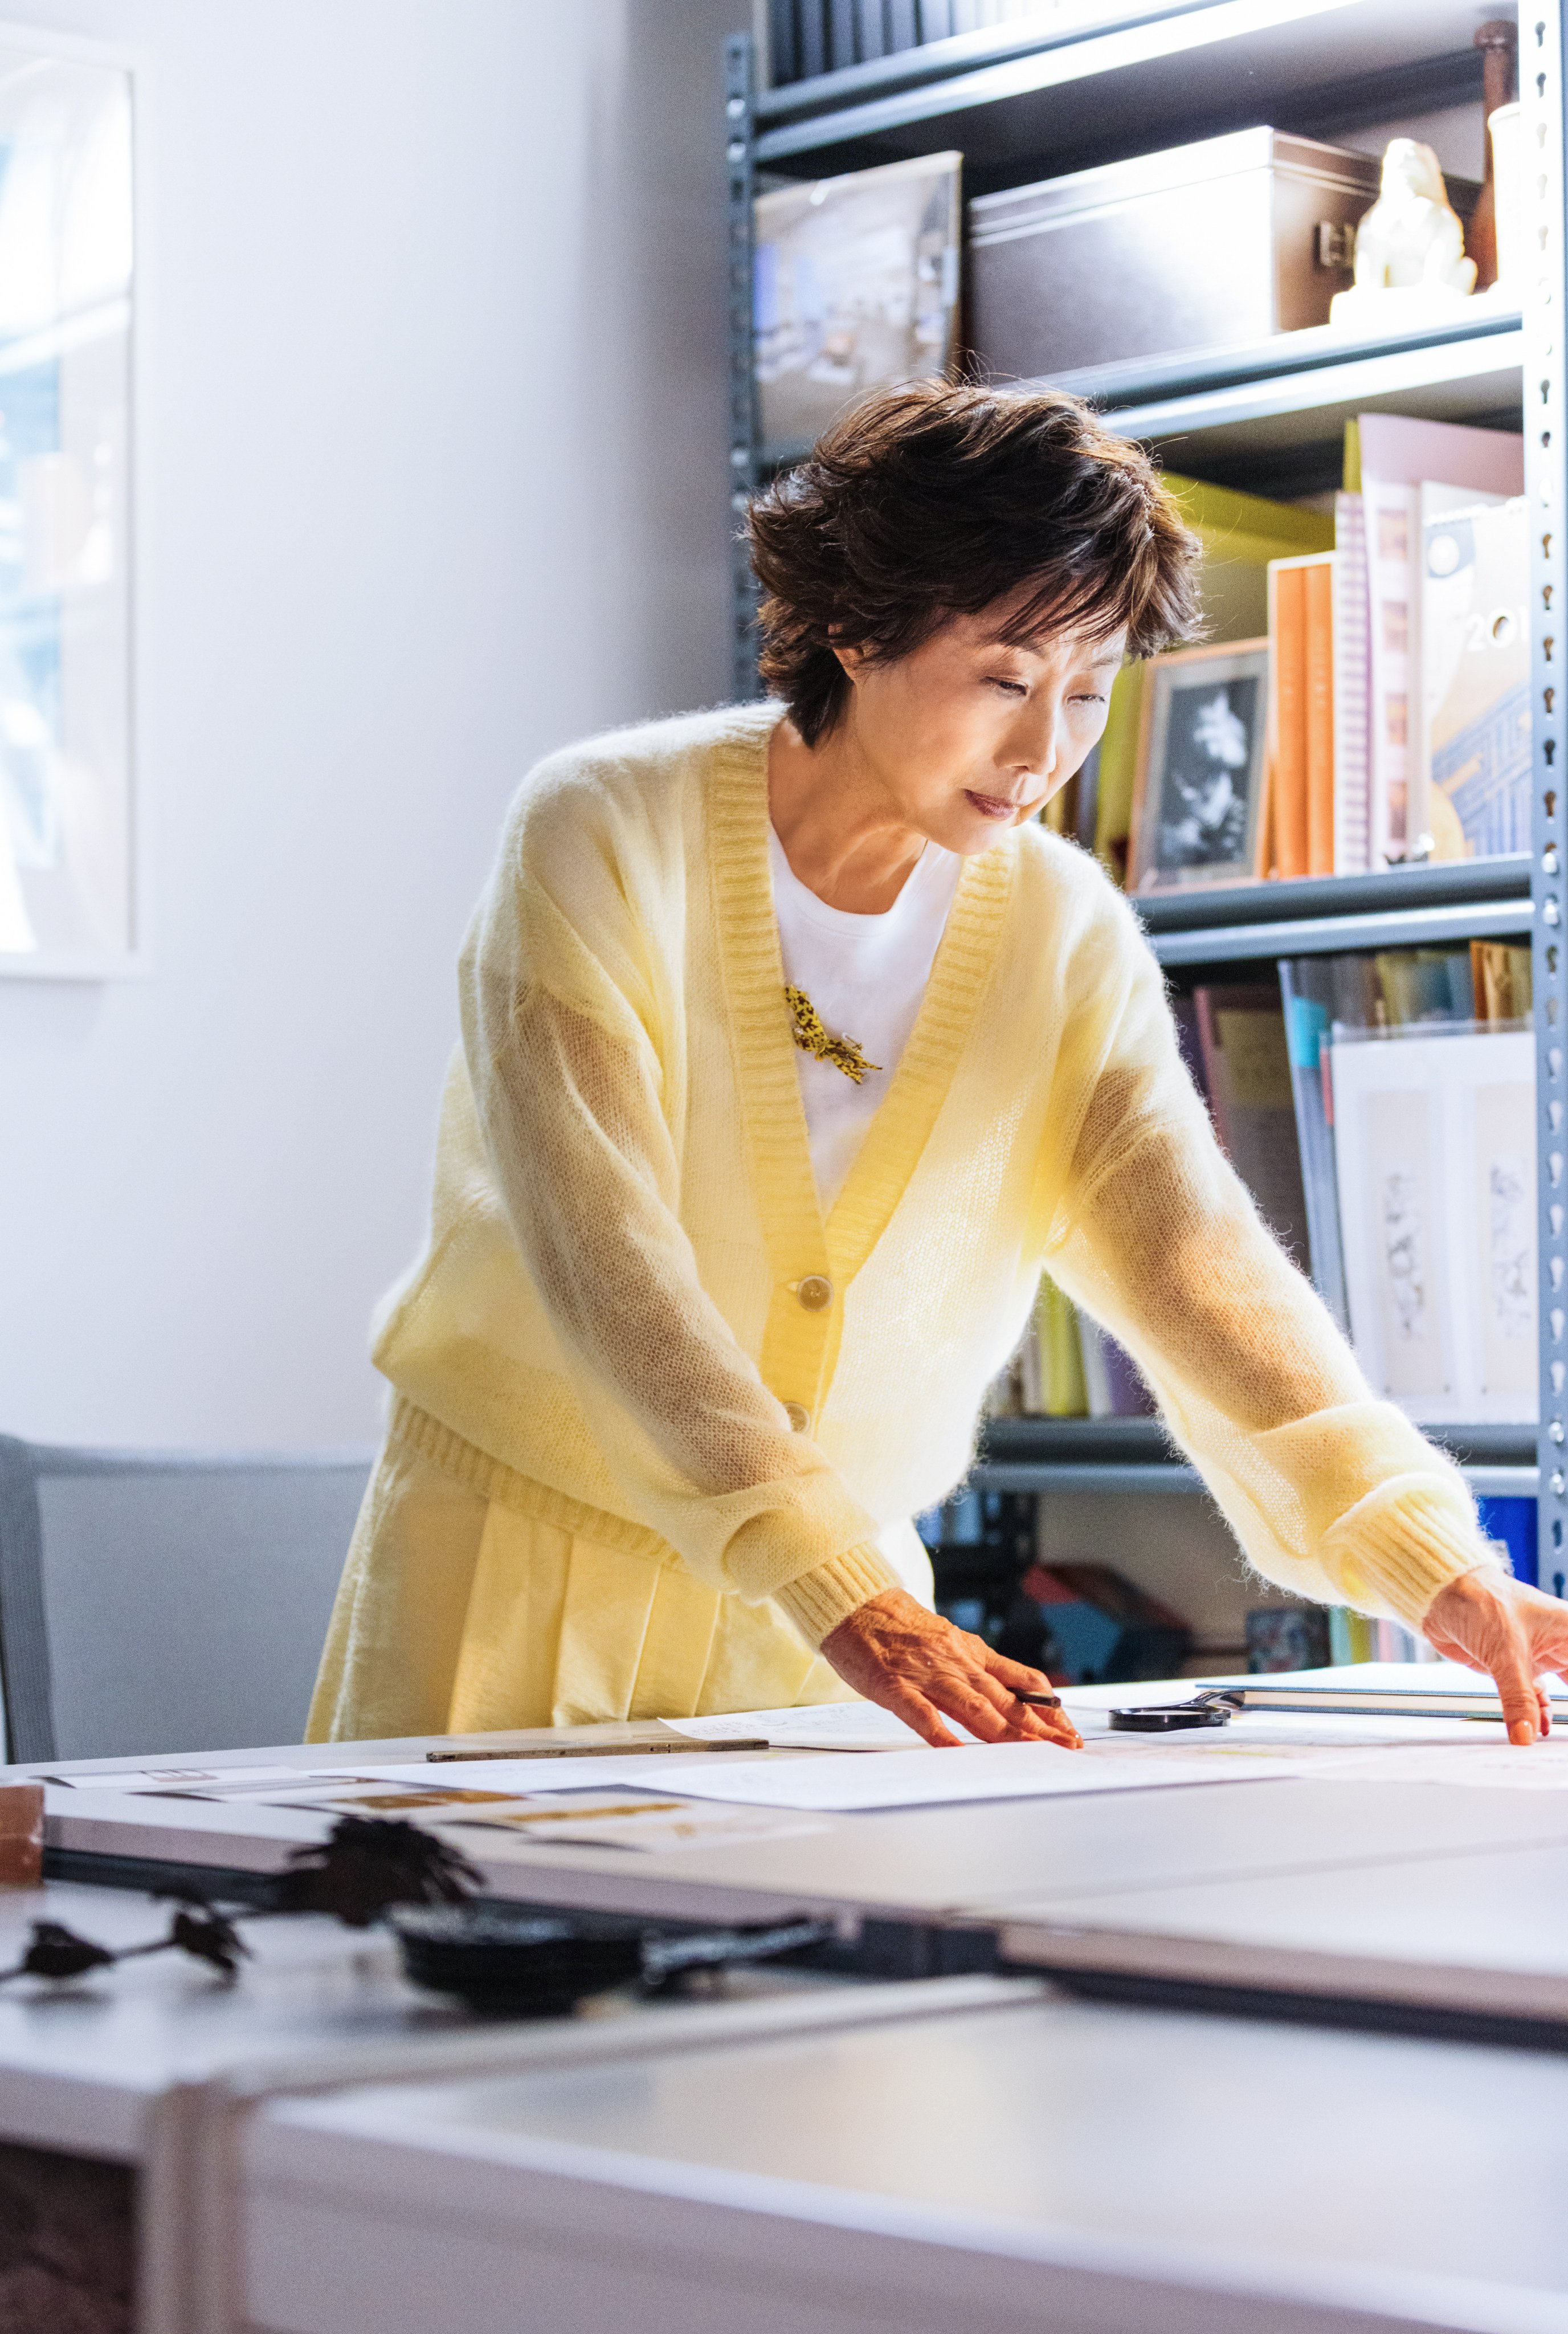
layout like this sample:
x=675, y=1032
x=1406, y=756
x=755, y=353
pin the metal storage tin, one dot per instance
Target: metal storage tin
x=1196, y=247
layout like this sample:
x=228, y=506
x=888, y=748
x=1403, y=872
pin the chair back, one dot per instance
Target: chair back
x=155, y=1602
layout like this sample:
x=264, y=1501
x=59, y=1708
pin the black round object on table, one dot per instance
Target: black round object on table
x=510, y=1962
x=514, y=1964
x=1172, y=1719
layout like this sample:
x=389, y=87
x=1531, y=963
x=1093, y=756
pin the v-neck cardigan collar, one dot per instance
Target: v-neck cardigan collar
x=799, y=1346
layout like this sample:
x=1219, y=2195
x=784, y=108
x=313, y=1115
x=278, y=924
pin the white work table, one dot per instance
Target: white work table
x=982, y=2147
x=1481, y=1934
x=1026, y=2163
x=83, y=2064
x=146, y=2064
x=915, y=1865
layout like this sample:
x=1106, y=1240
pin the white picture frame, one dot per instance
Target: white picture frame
x=1435, y=1159
x=71, y=889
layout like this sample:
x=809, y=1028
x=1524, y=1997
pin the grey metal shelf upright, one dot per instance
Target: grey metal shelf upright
x=1032, y=104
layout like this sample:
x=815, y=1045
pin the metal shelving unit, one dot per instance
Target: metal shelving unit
x=1122, y=1455
x=1024, y=104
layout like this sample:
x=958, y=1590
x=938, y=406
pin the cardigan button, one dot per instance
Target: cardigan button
x=815, y=1293
x=799, y=1416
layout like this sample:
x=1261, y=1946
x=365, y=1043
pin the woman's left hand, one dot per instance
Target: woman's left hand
x=921, y=1668
x=1494, y=1624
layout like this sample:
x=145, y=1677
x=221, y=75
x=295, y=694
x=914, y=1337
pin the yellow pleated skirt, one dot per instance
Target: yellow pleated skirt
x=459, y=1613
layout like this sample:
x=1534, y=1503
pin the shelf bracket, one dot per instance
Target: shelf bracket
x=1541, y=45
x=739, y=145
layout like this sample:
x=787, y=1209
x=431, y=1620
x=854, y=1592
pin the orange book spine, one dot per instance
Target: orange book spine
x=1290, y=789
x=1319, y=662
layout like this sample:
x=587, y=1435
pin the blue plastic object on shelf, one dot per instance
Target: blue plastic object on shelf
x=1512, y=1521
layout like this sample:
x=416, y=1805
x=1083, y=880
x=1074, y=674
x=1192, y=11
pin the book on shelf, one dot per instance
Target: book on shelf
x=1472, y=741
x=1302, y=698
x=1434, y=1142
x=1485, y=984
x=1410, y=473
x=1502, y=980
x=1067, y=1366
x=1398, y=682
x=1246, y=1080
x=1367, y=1637
x=1352, y=838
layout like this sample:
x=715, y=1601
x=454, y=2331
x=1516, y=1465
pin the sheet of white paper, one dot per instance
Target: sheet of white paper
x=844, y=1783
x=524, y=1778
x=210, y=1782
x=984, y=1770
x=1494, y=1764
x=861, y=1726
x=817, y=1726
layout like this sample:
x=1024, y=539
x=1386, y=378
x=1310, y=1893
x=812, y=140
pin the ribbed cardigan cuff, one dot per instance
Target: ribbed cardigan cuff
x=1396, y=1553
x=818, y=1600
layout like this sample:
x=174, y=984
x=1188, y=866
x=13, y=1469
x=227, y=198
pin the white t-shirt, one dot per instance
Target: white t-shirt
x=866, y=976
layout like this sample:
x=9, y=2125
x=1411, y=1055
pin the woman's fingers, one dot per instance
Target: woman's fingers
x=1017, y=1722
x=1516, y=1692
x=957, y=1697
x=1048, y=1725
x=976, y=1675
x=912, y=1662
x=1491, y=1622
x=912, y=1707
x=1016, y=1675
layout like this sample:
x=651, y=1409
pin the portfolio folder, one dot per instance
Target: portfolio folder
x=1471, y=1944
x=1382, y=1689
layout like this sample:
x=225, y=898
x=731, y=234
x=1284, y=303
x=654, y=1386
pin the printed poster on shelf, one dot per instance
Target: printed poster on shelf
x=855, y=286
x=1435, y=1165
x=1476, y=677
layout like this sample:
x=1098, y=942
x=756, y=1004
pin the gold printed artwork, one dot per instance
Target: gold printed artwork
x=813, y=1039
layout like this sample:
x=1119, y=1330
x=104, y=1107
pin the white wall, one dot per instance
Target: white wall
x=432, y=477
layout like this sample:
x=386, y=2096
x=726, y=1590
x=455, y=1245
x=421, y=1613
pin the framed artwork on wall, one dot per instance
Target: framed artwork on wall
x=69, y=901
x=1197, y=812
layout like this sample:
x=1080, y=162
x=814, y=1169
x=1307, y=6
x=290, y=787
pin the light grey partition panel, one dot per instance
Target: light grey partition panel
x=183, y=1599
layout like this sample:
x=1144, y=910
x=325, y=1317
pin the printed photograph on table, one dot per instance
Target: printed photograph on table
x=1197, y=815
x=856, y=285
x=67, y=824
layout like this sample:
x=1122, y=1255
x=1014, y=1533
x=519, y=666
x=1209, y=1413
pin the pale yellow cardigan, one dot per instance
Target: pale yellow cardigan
x=632, y=1311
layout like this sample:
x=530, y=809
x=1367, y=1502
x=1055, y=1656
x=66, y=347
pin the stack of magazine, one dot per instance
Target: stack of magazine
x=1399, y=660
x=1380, y=1109
x=1413, y=1078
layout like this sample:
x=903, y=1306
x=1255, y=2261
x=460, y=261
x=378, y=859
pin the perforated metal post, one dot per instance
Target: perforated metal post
x=739, y=90
x=1541, y=102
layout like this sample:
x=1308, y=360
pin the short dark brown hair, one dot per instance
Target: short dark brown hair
x=933, y=500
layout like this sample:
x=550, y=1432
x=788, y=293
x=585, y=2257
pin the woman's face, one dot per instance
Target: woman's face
x=969, y=736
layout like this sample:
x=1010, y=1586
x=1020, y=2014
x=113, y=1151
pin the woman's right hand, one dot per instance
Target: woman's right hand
x=920, y=1668
x=1494, y=1624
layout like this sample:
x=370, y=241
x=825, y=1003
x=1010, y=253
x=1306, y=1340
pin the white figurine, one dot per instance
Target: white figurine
x=1411, y=245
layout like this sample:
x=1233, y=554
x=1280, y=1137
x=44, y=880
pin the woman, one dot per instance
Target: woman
x=794, y=1047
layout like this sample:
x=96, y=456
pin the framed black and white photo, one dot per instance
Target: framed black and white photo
x=1197, y=815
